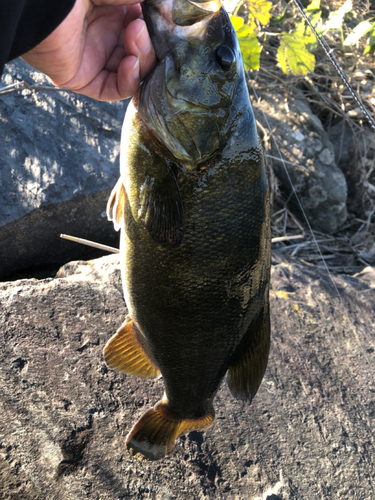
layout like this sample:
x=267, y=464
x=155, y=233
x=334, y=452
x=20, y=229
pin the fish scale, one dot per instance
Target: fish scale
x=193, y=207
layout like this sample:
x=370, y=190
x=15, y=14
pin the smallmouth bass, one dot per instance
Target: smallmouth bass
x=192, y=204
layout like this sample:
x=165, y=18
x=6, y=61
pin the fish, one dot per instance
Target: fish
x=192, y=204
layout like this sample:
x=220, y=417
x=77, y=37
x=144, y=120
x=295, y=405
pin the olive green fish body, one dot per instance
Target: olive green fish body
x=195, y=242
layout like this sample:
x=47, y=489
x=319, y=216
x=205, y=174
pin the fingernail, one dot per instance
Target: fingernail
x=135, y=69
x=143, y=41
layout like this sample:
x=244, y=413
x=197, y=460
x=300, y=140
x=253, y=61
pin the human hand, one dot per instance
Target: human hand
x=102, y=50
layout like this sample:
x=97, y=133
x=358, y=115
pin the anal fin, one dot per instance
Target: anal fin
x=123, y=352
x=249, y=362
x=154, y=435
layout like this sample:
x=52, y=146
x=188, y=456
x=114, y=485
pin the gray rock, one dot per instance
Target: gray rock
x=309, y=159
x=105, y=270
x=59, y=160
x=64, y=416
x=355, y=152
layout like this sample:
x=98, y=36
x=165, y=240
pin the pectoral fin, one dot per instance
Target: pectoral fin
x=250, y=359
x=116, y=204
x=161, y=209
x=124, y=353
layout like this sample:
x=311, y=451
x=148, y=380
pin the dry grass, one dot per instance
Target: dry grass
x=353, y=247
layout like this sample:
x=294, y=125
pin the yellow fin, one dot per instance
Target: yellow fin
x=154, y=435
x=116, y=204
x=124, y=353
x=246, y=371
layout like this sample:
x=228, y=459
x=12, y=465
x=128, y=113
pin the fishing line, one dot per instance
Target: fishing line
x=343, y=307
x=329, y=52
x=332, y=58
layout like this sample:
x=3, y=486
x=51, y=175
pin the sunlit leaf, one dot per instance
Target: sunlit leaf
x=336, y=18
x=370, y=47
x=237, y=22
x=357, y=33
x=250, y=50
x=314, y=5
x=293, y=55
x=310, y=39
x=302, y=29
x=245, y=31
x=347, y=7
x=315, y=19
x=260, y=10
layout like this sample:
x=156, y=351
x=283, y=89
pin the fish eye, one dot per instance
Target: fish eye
x=225, y=57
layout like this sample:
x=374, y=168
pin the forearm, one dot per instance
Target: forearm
x=25, y=23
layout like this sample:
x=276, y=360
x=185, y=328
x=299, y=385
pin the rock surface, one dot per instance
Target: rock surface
x=354, y=153
x=59, y=161
x=59, y=158
x=309, y=434
x=309, y=158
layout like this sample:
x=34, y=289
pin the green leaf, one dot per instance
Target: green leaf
x=370, y=47
x=237, y=22
x=302, y=29
x=260, y=10
x=309, y=38
x=314, y=5
x=250, y=50
x=245, y=31
x=293, y=55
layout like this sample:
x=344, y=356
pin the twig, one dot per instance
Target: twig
x=286, y=238
x=90, y=243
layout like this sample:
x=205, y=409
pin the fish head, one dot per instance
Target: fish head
x=186, y=100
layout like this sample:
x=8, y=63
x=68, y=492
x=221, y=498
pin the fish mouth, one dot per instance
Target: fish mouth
x=164, y=17
x=188, y=12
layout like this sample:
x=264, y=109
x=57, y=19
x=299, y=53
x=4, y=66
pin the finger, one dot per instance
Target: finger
x=114, y=86
x=98, y=46
x=115, y=59
x=137, y=42
x=133, y=12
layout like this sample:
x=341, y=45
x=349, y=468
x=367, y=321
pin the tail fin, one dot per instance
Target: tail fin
x=155, y=433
